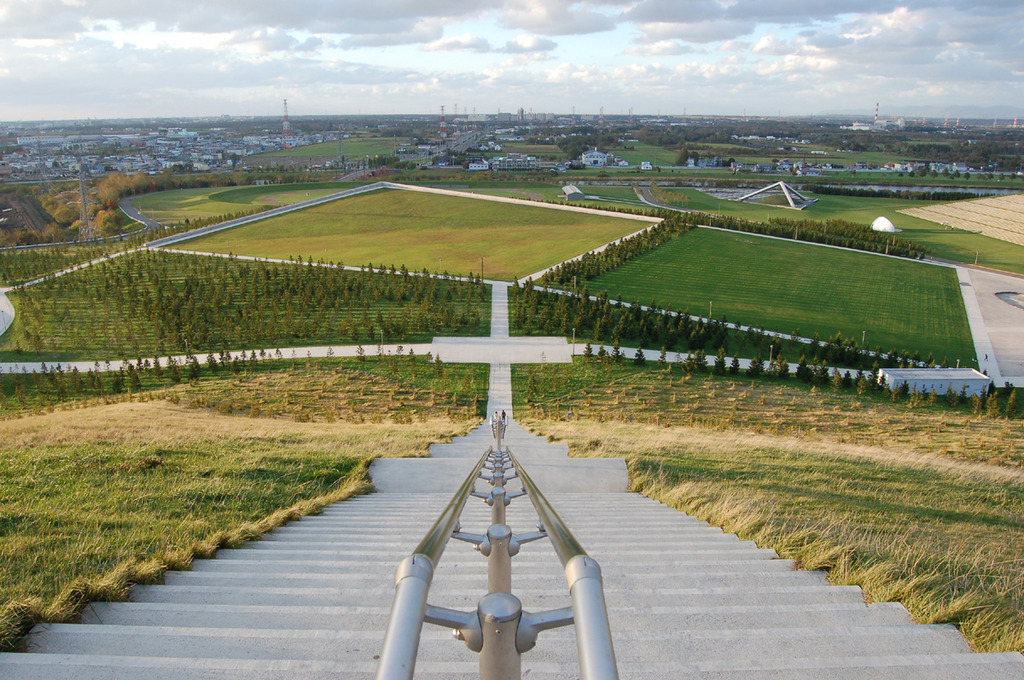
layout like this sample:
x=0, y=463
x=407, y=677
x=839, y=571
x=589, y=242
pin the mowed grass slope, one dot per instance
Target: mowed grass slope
x=787, y=286
x=420, y=230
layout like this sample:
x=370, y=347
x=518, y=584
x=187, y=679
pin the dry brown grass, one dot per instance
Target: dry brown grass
x=1000, y=217
x=821, y=414
x=941, y=535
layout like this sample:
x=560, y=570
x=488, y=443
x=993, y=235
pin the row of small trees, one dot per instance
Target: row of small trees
x=840, y=233
x=592, y=265
x=820, y=375
x=156, y=302
x=534, y=310
x=19, y=266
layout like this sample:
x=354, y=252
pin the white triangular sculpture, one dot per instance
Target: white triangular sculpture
x=789, y=192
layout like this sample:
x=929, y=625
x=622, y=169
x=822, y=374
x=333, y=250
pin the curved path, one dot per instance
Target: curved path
x=129, y=209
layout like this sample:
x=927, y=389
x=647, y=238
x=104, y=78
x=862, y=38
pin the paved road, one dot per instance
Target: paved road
x=126, y=206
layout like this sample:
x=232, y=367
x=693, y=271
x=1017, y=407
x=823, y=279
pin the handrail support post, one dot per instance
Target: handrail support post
x=499, y=560
x=500, y=615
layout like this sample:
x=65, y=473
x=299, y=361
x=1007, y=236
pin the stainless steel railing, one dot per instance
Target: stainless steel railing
x=499, y=630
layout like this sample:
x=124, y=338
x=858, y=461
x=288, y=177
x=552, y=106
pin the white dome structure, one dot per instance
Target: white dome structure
x=883, y=224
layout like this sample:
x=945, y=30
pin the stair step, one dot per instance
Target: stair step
x=1006, y=666
x=631, y=646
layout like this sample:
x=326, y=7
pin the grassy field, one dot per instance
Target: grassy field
x=373, y=389
x=425, y=231
x=114, y=490
x=871, y=491
x=646, y=152
x=788, y=286
x=943, y=243
x=174, y=207
x=540, y=150
x=146, y=486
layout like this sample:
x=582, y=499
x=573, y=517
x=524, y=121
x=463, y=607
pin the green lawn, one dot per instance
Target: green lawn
x=788, y=286
x=174, y=207
x=943, y=243
x=541, y=150
x=439, y=233
x=646, y=152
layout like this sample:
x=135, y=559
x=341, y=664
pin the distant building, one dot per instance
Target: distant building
x=513, y=162
x=646, y=165
x=938, y=380
x=594, y=159
x=477, y=165
x=571, y=192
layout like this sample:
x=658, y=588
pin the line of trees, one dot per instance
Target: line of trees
x=19, y=266
x=592, y=265
x=600, y=320
x=840, y=233
x=818, y=374
x=860, y=192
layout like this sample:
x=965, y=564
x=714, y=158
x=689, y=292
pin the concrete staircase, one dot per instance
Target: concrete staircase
x=685, y=600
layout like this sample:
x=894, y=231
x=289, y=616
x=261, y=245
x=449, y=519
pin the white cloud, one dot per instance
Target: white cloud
x=549, y=18
x=471, y=43
x=806, y=52
x=524, y=44
x=659, y=48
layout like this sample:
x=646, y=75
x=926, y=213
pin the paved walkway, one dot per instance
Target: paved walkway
x=997, y=324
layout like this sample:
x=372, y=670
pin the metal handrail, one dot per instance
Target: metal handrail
x=436, y=539
x=586, y=588
x=565, y=544
x=499, y=629
x=402, y=638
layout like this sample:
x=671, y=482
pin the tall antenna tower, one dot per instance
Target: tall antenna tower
x=876, y=114
x=85, y=228
x=42, y=165
x=444, y=127
x=600, y=118
x=286, y=125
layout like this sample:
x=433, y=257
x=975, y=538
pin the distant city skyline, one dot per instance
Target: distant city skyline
x=118, y=59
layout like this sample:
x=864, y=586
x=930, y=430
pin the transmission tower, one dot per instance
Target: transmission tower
x=85, y=228
x=286, y=126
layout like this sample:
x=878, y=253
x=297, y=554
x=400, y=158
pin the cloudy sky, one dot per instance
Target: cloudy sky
x=133, y=58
